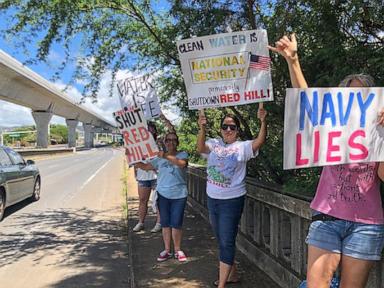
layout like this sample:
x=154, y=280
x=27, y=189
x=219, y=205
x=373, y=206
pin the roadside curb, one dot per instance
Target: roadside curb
x=132, y=283
x=130, y=254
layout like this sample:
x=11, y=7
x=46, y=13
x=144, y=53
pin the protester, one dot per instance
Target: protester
x=226, y=171
x=146, y=182
x=345, y=233
x=172, y=194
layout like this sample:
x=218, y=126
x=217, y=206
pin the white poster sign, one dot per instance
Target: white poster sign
x=328, y=126
x=139, y=92
x=138, y=141
x=226, y=69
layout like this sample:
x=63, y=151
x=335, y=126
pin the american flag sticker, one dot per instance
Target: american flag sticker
x=259, y=62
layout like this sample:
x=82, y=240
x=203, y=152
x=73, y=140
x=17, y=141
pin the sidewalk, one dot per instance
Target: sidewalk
x=199, y=245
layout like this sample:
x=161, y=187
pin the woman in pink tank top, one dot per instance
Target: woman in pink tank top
x=347, y=226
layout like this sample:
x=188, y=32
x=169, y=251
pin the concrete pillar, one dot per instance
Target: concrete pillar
x=88, y=135
x=42, y=119
x=72, y=124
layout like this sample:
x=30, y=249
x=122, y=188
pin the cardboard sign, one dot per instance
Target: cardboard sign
x=226, y=69
x=328, y=126
x=138, y=140
x=139, y=92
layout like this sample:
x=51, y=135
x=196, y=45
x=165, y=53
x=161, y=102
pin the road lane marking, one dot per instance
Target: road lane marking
x=72, y=194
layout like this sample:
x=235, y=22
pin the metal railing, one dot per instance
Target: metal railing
x=272, y=230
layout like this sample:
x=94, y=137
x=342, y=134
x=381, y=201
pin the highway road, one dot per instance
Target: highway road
x=74, y=236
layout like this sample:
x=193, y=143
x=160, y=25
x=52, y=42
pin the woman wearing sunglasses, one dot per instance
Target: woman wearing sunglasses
x=226, y=171
x=172, y=194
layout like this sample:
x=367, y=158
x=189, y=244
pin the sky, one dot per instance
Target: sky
x=105, y=105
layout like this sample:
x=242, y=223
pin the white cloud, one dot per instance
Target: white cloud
x=15, y=115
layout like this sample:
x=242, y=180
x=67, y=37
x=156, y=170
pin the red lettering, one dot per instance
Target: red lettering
x=299, y=160
x=143, y=133
x=317, y=147
x=126, y=138
x=333, y=148
x=130, y=152
x=141, y=153
x=151, y=153
x=358, y=146
x=248, y=95
x=232, y=97
x=134, y=134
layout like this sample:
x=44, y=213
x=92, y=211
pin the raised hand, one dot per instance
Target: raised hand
x=202, y=120
x=286, y=47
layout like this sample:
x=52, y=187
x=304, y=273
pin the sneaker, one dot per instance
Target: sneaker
x=139, y=226
x=164, y=255
x=156, y=228
x=179, y=255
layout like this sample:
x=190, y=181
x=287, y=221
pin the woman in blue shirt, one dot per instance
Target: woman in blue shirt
x=172, y=194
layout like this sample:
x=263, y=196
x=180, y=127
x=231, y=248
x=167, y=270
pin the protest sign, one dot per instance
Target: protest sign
x=226, y=69
x=139, y=143
x=139, y=92
x=328, y=126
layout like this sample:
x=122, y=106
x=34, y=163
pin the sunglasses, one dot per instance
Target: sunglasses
x=230, y=126
x=170, y=140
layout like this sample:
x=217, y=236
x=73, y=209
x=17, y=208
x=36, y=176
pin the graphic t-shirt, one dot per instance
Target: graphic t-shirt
x=226, y=170
x=171, y=179
x=350, y=192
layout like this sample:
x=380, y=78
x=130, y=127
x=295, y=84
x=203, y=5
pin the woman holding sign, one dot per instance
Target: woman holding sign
x=172, y=194
x=226, y=170
x=344, y=232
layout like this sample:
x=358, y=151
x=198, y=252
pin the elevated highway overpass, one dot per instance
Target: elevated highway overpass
x=20, y=85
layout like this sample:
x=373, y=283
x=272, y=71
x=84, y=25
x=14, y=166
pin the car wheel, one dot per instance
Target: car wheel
x=2, y=204
x=36, y=190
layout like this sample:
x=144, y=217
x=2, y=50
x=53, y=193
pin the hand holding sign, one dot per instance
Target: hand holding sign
x=261, y=114
x=202, y=119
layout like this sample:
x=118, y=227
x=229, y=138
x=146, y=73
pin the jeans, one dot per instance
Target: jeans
x=357, y=240
x=171, y=211
x=224, y=215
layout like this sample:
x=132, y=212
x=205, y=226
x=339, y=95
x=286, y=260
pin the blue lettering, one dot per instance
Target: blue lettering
x=344, y=117
x=214, y=42
x=327, y=102
x=364, y=106
x=305, y=106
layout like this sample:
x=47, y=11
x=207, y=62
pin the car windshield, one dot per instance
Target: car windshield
x=16, y=158
x=4, y=159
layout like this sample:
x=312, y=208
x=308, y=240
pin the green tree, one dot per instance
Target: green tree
x=336, y=38
x=59, y=133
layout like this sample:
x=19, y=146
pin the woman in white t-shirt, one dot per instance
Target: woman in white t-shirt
x=146, y=182
x=226, y=171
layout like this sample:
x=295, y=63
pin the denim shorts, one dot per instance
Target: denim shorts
x=147, y=183
x=357, y=240
x=224, y=215
x=171, y=211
